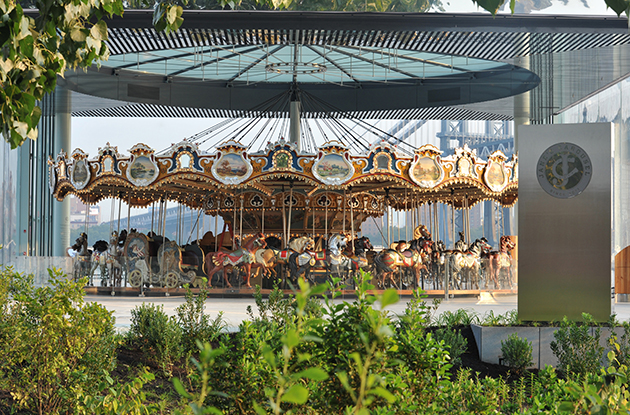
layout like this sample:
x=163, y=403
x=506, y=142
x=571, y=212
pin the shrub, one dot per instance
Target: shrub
x=517, y=352
x=510, y=318
x=194, y=323
x=455, y=342
x=52, y=343
x=157, y=334
x=577, y=351
x=461, y=317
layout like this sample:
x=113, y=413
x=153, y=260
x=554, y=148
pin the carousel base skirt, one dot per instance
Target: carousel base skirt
x=244, y=292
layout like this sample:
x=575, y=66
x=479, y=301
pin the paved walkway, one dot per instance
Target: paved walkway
x=235, y=309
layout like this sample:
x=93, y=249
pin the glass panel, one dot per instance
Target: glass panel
x=8, y=203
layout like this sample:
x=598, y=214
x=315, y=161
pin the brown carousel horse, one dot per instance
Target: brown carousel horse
x=501, y=260
x=243, y=256
x=412, y=257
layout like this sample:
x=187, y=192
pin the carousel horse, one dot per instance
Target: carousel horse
x=113, y=261
x=99, y=258
x=359, y=255
x=209, y=242
x=437, y=264
x=266, y=258
x=243, y=256
x=500, y=260
x=421, y=232
x=404, y=257
x=468, y=262
x=82, y=266
x=461, y=244
x=332, y=260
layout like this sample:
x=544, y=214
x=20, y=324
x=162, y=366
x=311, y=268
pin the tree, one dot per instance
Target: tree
x=66, y=34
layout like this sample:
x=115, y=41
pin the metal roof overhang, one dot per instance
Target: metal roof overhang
x=500, y=38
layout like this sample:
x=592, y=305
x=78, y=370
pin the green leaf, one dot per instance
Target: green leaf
x=598, y=410
x=259, y=410
x=389, y=297
x=313, y=373
x=618, y=6
x=26, y=47
x=319, y=289
x=292, y=339
x=566, y=407
x=295, y=394
x=180, y=388
x=490, y=5
x=383, y=393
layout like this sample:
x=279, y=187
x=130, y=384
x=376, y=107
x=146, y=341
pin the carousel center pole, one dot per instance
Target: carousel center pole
x=294, y=106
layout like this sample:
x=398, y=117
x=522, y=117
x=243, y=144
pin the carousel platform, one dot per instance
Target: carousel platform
x=243, y=292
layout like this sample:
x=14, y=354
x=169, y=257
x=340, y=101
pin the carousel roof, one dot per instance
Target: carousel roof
x=379, y=177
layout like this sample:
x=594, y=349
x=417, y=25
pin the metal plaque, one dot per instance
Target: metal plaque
x=564, y=221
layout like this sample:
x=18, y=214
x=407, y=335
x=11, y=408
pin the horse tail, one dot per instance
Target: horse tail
x=380, y=263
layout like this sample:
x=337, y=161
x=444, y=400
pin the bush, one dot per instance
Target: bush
x=194, y=323
x=517, y=352
x=157, y=334
x=52, y=343
x=453, y=339
x=460, y=317
x=577, y=351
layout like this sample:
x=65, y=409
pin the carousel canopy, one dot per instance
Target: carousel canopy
x=281, y=176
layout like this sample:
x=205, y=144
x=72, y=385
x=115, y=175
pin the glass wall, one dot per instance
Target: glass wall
x=611, y=105
x=8, y=203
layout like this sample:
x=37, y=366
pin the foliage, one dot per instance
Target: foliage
x=194, y=323
x=67, y=33
x=577, y=351
x=157, y=334
x=207, y=358
x=605, y=392
x=623, y=345
x=52, y=343
x=128, y=398
x=342, y=357
x=454, y=341
x=290, y=367
x=510, y=318
x=418, y=315
x=460, y=317
x=517, y=352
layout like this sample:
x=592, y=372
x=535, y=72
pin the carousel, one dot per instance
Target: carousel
x=289, y=213
x=300, y=166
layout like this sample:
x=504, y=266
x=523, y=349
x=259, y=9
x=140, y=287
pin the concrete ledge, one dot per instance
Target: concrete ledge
x=489, y=338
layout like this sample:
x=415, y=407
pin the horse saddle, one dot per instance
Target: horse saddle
x=467, y=260
x=320, y=256
x=504, y=260
x=285, y=254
